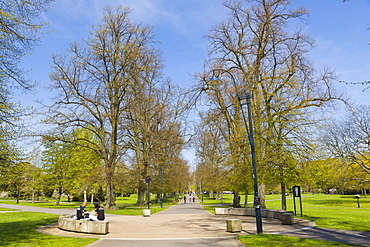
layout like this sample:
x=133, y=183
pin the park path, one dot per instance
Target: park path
x=189, y=224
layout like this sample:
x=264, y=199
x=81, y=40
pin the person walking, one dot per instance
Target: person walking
x=184, y=199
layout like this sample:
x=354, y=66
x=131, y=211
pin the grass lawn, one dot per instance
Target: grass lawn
x=7, y=209
x=269, y=240
x=328, y=211
x=126, y=205
x=19, y=229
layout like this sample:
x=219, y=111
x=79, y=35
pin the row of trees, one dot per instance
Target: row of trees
x=117, y=120
x=20, y=31
x=112, y=88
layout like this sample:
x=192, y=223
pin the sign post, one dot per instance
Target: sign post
x=297, y=193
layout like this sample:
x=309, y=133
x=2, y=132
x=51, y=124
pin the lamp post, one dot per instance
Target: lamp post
x=245, y=100
x=161, y=196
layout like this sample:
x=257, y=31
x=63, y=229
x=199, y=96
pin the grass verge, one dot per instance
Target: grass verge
x=19, y=229
x=327, y=211
x=269, y=240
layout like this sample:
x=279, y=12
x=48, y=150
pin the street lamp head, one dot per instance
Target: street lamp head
x=214, y=81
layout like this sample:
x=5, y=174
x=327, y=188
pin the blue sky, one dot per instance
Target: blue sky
x=340, y=30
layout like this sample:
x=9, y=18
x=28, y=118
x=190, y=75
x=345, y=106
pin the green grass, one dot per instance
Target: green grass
x=269, y=240
x=126, y=205
x=19, y=229
x=330, y=211
x=327, y=211
x=7, y=209
x=44, y=204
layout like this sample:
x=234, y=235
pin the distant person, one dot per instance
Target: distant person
x=185, y=199
x=193, y=198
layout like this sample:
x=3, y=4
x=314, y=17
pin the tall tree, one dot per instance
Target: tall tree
x=20, y=31
x=94, y=81
x=154, y=133
x=272, y=65
x=213, y=166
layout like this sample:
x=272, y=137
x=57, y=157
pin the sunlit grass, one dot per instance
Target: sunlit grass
x=126, y=205
x=328, y=211
x=7, y=209
x=269, y=240
x=19, y=229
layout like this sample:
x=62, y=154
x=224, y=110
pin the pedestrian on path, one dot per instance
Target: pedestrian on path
x=185, y=199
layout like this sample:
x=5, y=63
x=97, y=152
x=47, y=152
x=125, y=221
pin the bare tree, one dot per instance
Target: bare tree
x=272, y=65
x=155, y=135
x=350, y=137
x=95, y=80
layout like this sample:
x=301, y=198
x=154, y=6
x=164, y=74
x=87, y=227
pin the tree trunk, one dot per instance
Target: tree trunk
x=218, y=195
x=246, y=198
x=261, y=190
x=110, y=200
x=140, y=194
x=236, y=201
x=60, y=189
x=283, y=196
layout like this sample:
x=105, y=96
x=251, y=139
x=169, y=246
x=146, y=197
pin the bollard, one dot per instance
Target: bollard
x=146, y=212
x=233, y=225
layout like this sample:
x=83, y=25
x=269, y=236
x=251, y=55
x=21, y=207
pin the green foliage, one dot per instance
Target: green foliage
x=69, y=167
x=21, y=177
x=19, y=229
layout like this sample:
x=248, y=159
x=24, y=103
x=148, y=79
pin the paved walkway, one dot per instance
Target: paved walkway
x=189, y=224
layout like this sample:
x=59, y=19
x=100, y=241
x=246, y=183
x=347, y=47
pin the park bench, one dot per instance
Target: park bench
x=287, y=217
x=65, y=222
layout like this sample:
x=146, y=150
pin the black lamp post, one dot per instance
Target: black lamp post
x=201, y=189
x=245, y=100
x=161, y=196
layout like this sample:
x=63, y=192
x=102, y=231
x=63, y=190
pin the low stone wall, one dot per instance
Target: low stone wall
x=83, y=225
x=287, y=217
